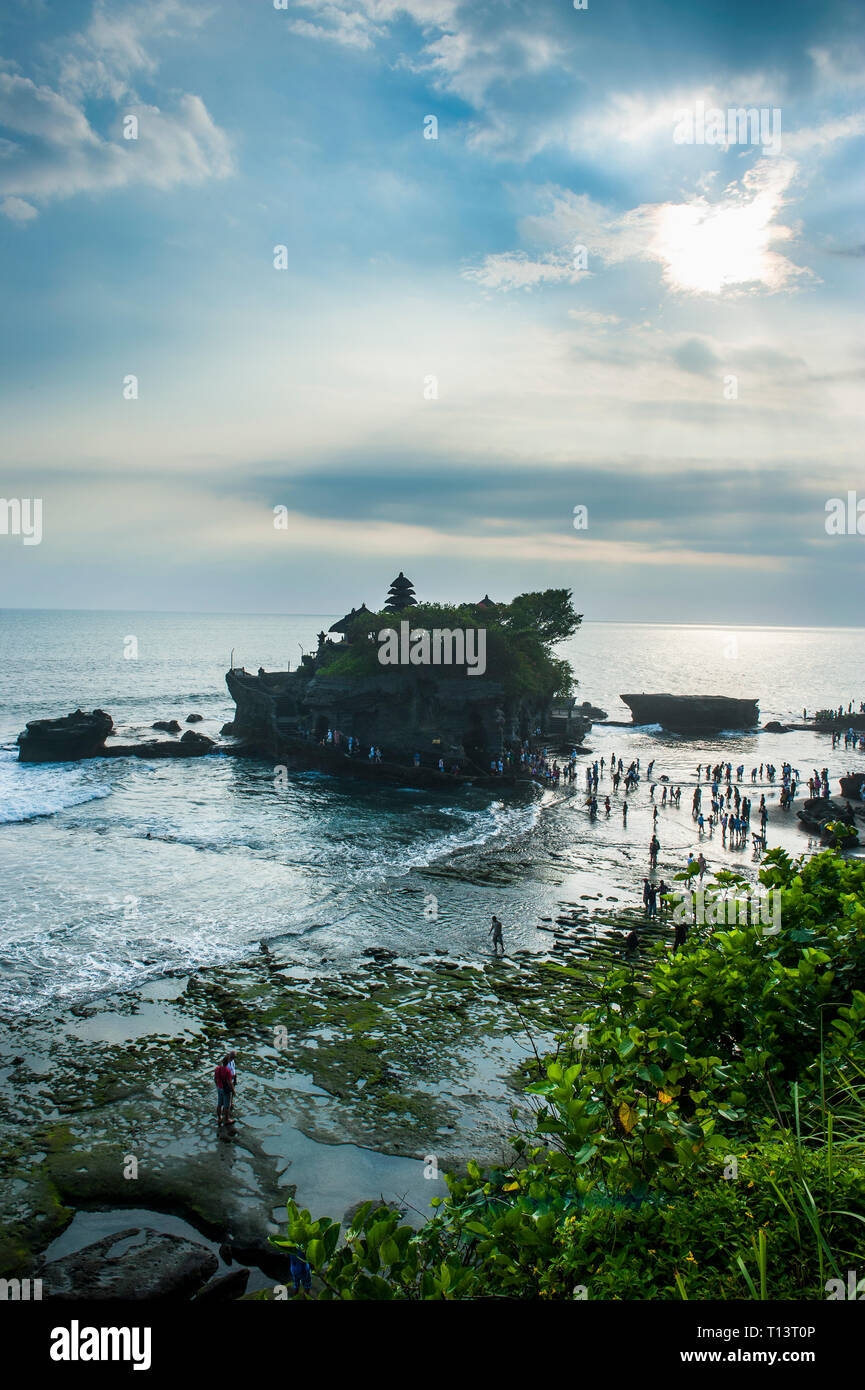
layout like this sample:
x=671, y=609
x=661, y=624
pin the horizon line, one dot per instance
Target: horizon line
x=623, y=622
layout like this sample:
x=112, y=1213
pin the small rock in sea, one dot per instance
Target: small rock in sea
x=17, y=1061
x=441, y=951
x=194, y=718
x=168, y=726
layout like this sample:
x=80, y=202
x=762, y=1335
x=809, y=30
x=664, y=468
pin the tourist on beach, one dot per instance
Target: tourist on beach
x=224, y=1091
x=703, y=865
x=654, y=846
x=624, y=813
x=495, y=932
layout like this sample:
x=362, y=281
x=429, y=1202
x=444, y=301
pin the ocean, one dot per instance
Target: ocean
x=119, y=871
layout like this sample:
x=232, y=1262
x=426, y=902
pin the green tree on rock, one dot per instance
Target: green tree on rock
x=550, y=615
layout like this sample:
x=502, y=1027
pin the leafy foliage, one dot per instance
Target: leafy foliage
x=519, y=639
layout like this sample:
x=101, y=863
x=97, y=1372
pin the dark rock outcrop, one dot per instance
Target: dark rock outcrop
x=257, y=1250
x=852, y=786
x=191, y=745
x=194, y=718
x=167, y=726
x=81, y=735
x=227, y=1286
x=78, y=735
x=693, y=714
x=193, y=739
x=155, y=1267
x=818, y=813
x=464, y=721
x=590, y=711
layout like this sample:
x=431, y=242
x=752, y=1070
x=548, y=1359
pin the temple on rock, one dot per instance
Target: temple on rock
x=429, y=721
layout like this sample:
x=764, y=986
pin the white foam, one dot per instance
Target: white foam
x=28, y=790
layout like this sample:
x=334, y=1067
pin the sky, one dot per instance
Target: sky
x=297, y=294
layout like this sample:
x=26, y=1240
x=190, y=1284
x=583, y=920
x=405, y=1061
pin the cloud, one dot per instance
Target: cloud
x=359, y=23
x=517, y=271
x=590, y=318
x=467, y=48
x=52, y=150
x=839, y=69
x=695, y=355
x=17, y=210
x=857, y=252
x=806, y=139
x=102, y=59
x=709, y=247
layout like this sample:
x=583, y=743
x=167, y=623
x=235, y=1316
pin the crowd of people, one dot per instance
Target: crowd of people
x=853, y=738
x=719, y=803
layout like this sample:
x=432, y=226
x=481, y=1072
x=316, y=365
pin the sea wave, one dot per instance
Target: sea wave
x=497, y=822
x=30, y=790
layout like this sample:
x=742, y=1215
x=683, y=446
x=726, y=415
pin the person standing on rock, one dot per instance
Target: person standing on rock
x=224, y=1091
x=495, y=932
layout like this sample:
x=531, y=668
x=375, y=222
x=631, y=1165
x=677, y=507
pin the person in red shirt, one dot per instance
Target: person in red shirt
x=224, y=1091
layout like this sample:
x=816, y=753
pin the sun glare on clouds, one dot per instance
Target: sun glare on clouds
x=707, y=248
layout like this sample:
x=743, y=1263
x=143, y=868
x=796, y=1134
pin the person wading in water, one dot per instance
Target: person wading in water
x=495, y=932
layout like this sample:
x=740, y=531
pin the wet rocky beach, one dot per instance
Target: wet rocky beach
x=365, y=1083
